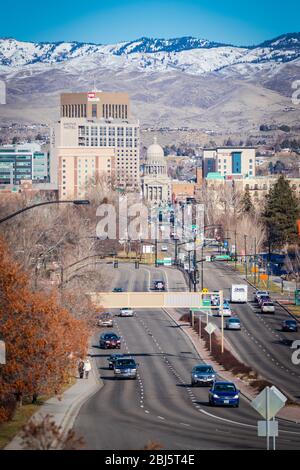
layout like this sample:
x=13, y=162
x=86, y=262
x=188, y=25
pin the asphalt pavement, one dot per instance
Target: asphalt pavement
x=260, y=344
x=160, y=405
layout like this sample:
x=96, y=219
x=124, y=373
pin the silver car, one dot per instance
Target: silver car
x=233, y=324
x=203, y=374
x=125, y=368
x=105, y=319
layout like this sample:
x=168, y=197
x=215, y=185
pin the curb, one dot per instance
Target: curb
x=74, y=409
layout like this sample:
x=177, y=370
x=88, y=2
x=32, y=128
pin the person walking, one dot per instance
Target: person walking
x=81, y=368
x=87, y=367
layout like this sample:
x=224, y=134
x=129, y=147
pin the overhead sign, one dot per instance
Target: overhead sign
x=210, y=328
x=269, y=402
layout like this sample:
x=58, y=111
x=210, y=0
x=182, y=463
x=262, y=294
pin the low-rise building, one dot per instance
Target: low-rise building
x=235, y=161
x=21, y=164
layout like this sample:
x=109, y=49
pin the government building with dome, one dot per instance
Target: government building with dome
x=156, y=185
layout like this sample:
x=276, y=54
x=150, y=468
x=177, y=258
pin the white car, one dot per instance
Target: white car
x=126, y=312
x=227, y=312
x=267, y=307
x=164, y=248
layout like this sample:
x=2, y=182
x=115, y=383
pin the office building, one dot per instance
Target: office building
x=19, y=164
x=86, y=149
x=238, y=162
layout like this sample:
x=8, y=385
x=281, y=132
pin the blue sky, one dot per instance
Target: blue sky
x=110, y=21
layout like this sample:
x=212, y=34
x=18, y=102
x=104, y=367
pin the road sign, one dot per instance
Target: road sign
x=210, y=328
x=269, y=402
x=205, y=290
x=262, y=428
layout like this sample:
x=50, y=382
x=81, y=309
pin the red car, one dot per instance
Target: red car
x=109, y=341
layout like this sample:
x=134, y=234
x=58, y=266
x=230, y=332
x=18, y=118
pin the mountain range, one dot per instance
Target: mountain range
x=172, y=82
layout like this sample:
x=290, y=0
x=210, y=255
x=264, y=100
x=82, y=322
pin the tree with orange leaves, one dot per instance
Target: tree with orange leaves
x=43, y=341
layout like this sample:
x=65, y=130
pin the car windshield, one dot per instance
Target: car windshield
x=224, y=388
x=234, y=320
x=111, y=336
x=204, y=369
x=268, y=304
x=125, y=362
x=290, y=322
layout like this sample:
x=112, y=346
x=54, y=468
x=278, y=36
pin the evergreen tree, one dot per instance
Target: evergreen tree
x=247, y=206
x=281, y=214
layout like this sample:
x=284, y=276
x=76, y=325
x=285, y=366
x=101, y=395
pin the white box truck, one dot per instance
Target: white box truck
x=239, y=293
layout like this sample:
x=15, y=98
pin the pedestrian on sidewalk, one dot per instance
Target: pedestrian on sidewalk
x=81, y=368
x=87, y=367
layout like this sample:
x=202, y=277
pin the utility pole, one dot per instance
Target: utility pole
x=176, y=251
x=155, y=252
x=190, y=286
x=255, y=261
x=202, y=266
x=235, y=250
x=195, y=265
x=245, y=243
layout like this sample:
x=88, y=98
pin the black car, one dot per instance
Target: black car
x=112, y=359
x=109, y=340
x=289, y=325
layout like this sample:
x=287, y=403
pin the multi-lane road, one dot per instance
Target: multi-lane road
x=160, y=405
x=261, y=343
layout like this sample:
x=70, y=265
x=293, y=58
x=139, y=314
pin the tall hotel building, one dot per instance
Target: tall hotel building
x=95, y=136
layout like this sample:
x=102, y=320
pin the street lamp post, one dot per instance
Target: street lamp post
x=75, y=202
x=246, y=268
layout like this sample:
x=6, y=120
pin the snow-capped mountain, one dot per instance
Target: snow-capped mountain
x=187, y=54
x=171, y=82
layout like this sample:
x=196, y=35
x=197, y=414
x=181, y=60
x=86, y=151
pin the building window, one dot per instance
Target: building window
x=94, y=110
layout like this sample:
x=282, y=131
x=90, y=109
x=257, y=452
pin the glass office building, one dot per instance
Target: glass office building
x=21, y=165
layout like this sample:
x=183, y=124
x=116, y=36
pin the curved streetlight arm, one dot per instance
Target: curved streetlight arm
x=76, y=202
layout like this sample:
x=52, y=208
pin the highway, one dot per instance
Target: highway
x=160, y=405
x=261, y=343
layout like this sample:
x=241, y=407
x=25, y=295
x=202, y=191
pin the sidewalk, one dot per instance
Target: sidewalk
x=289, y=413
x=64, y=411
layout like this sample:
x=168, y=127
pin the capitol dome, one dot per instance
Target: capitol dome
x=155, y=152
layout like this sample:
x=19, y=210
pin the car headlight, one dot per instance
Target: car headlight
x=236, y=396
x=215, y=395
x=133, y=370
x=117, y=371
